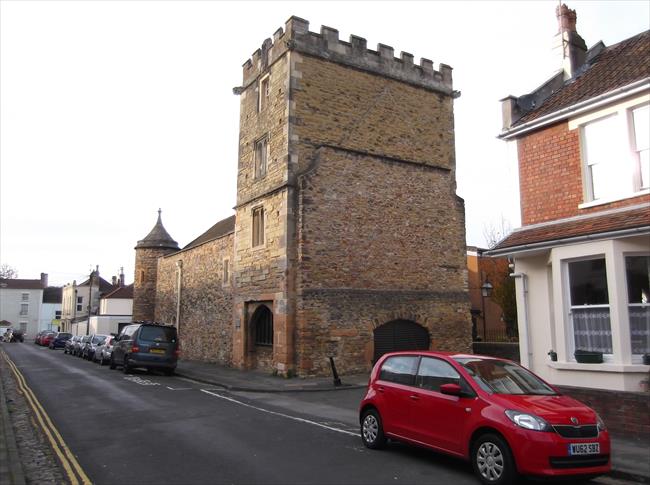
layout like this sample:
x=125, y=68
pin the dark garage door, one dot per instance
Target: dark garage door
x=400, y=335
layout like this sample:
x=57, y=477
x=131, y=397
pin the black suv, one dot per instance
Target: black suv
x=146, y=345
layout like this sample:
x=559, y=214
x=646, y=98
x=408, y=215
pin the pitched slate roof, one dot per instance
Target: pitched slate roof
x=16, y=284
x=220, y=229
x=124, y=292
x=104, y=286
x=616, y=66
x=637, y=217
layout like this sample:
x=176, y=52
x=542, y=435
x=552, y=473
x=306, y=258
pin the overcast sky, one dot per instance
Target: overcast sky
x=112, y=109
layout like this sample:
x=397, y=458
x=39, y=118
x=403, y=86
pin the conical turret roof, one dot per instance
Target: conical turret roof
x=158, y=237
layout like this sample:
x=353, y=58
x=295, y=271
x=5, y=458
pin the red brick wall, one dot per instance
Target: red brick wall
x=550, y=176
x=550, y=181
x=626, y=414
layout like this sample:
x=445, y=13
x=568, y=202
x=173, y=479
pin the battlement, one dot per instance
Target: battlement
x=355, y=53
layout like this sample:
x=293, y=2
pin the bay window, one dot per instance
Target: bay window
x=589, y=305
x=637, y=271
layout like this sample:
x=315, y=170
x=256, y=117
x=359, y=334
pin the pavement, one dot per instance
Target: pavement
x=630, y=457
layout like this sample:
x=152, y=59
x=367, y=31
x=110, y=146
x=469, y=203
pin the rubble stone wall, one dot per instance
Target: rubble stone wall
x=206, y=311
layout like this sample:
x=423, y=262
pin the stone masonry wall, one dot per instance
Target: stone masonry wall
x=340, y=323
x=144, y=291
x=206, y=311
x=380, y=230
x=550, y=176
x=260, y=272
x=397, y=253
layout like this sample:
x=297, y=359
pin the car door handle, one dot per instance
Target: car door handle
x=380, y=389
x=414, y=397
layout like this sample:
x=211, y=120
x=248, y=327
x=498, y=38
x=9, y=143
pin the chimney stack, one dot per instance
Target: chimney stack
x=568, y=45
x=114, y=280
x=122, y=277
x=44, y=280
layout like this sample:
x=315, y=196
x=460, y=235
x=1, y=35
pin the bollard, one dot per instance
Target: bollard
x=335, y=375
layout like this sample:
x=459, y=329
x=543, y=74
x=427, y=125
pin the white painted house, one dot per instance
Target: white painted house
x=21, y=303
x=582, y=255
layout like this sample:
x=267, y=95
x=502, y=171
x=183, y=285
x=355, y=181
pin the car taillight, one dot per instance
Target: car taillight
x=135, y=348
x=177, y=352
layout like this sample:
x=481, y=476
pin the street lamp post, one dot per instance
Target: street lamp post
x=486, y=290
x=90, y=300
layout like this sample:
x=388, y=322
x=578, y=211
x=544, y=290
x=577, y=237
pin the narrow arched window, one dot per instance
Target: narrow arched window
x=262, y=325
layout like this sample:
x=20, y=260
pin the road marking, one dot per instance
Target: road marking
x=275, y=413
x=141, y=381
x=179, y=388
x=67, y=459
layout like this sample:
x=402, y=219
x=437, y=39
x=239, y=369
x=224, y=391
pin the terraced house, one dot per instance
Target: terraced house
x=582, y=255
x=348, y=238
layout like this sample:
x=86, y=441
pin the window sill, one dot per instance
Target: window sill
x=598, y=202
x=604, y=367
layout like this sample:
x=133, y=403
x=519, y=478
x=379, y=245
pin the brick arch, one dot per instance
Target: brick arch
x=400, y=334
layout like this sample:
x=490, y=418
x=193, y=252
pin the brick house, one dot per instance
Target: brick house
x=582, y=255
x=348, y=237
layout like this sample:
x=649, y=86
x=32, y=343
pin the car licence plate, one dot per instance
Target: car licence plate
x=584, y=448
x=157, y=351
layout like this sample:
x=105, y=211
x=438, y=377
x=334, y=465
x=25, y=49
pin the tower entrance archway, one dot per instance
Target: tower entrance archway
x=400, y=335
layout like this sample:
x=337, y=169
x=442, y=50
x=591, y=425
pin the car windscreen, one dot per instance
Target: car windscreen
x=158, y=334
x=99, y=339
x=64, y=335
x=504, y=377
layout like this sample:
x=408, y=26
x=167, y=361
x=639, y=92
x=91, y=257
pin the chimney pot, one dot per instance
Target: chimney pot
x=566, y=18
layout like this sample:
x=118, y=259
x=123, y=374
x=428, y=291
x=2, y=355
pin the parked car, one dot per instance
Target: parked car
x=46, y=338
x=70, y=344
x=495, y=413
x=17, y=336
x=81, y=347
x=89, y=350
x=39, y=336
x=146, y=345
x=59, y=340
x=104, y=350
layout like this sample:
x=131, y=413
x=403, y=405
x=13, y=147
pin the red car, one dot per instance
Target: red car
x=492, y=412
x=46, y=338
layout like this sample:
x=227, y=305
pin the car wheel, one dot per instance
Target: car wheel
x=101, y=359
x=492, y=461
x=126, y=367
x=372, y=431
x=111, y=364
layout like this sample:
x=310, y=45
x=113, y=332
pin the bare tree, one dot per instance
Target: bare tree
x=494, y=233
x=7, y=272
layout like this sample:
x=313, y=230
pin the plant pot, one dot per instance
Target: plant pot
x=588, y=357
x=646, y=359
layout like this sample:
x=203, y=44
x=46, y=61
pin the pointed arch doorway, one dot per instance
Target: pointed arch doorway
x=399, y=335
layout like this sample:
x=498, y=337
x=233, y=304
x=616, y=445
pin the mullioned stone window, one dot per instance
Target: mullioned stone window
x=261, y=156
x=258, y=226
x=263, y=94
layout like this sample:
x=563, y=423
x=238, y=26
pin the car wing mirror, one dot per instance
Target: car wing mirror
x=451, y=389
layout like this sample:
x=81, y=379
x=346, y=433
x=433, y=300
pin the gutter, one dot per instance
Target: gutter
x=578, y=108
x=566, y=241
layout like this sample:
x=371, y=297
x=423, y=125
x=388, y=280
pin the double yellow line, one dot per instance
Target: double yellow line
x=71, y=466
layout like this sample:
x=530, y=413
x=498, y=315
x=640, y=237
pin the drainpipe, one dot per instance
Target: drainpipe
x=179, y=274
x=525, y=350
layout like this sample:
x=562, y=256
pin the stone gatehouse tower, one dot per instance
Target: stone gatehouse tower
x=156, y=244
x=348, y=238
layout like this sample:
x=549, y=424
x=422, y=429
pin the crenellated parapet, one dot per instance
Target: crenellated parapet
x=355, y=53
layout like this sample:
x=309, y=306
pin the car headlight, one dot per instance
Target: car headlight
x=600, y=423
x=527, y=421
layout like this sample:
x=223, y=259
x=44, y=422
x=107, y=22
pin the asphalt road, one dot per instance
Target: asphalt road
x=148, y=428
